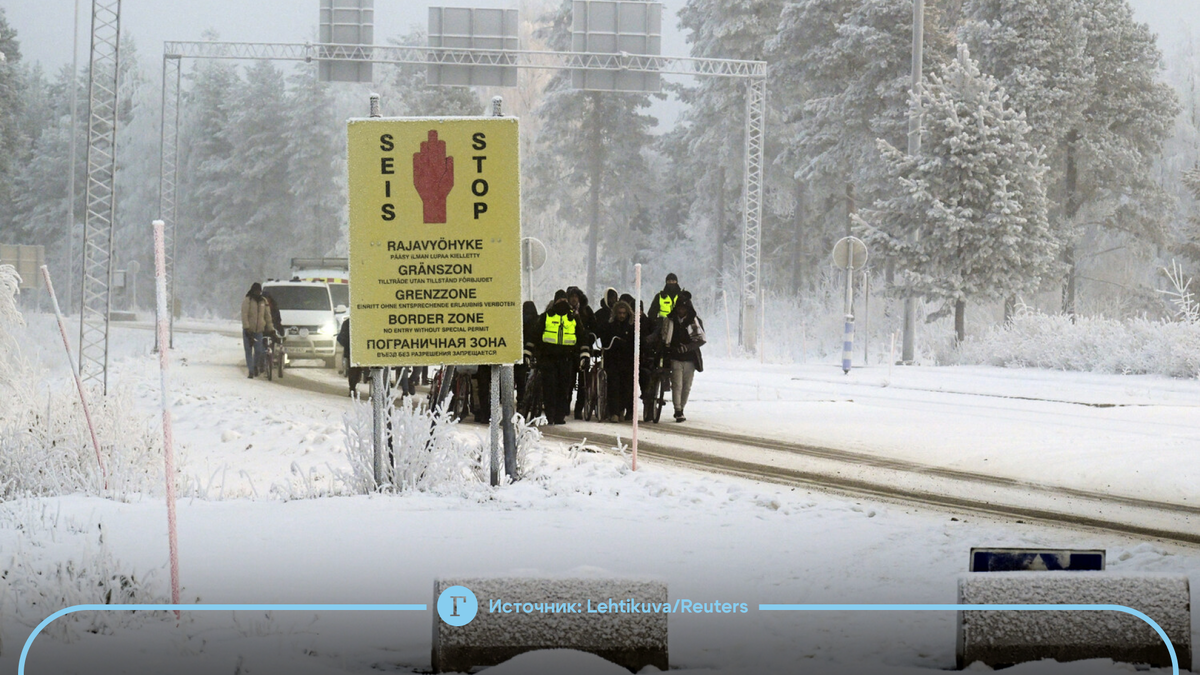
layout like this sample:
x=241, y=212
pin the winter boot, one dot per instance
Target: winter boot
x=679, y=416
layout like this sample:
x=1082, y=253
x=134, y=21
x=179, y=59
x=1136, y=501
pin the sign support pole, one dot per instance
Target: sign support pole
x=508, y=405
x=507, y=393
x=494, y=425
x=379, y=383
x=848, y=335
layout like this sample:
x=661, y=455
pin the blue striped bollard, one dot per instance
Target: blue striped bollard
x=848, y=343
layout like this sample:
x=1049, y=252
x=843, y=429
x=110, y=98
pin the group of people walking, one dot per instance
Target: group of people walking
x=561, y=340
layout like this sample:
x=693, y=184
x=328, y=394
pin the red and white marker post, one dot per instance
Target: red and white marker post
x=87, y=413
x=160, y=285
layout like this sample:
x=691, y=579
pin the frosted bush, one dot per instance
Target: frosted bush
x=1096, y=344
x=45, y=447
x=429, y=452
x=30, y=592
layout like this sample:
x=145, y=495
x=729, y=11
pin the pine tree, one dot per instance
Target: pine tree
x=316, y=163
x=1087, y=74
x=206, y=172
x=255, y=212
x=10, y=106
x=968, y=217
x=842, y=70
x=706, y=148
x=590, y=173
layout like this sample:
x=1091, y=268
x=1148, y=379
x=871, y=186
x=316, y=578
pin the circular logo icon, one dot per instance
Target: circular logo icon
x=457, y=605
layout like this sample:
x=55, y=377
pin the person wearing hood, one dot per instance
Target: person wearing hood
x=587, y=323
x=606, y=304
x=664, y=301
x=256, y=320
x=617, y=339
x=687, y=336
x=557, y=351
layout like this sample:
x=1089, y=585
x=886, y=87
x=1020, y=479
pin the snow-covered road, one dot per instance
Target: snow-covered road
x=255, y=453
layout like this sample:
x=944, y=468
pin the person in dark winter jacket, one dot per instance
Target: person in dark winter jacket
x=557, y=354
x=617, y=337
x=685, y=337
x=529, y=316
x=352, y=374
x=587, y=320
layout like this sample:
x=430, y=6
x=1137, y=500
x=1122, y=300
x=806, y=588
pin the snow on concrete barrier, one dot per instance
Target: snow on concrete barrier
x=632, y=639
x=1010, y=637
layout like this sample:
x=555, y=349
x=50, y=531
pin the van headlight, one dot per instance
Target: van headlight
x=330, y=328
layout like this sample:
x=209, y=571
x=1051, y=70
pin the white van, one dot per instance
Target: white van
x=309, y=323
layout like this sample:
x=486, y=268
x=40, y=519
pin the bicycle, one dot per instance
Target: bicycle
x=459, y=393
x=266, y=362
x=659, y=369
x=530, y=405
x=597, y=385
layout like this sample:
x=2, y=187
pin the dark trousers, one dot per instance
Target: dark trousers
x=520, y=374
x=354, y=375
x=558, y=373
x=620, y=390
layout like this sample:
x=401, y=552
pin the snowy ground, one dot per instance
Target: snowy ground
x=253, y=450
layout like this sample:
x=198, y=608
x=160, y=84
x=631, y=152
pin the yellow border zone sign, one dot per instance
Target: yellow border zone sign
x=435, y=232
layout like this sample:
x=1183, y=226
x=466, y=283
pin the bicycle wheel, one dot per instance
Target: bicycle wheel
x=589, y=402
x=648, y=399
x=280, y=357
x=269, y=362
x=602, y=411
x=531, y=404
x=659, y=387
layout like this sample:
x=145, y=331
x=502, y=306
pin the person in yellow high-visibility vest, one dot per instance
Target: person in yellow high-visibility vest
x=558, y=348
x=664, y=301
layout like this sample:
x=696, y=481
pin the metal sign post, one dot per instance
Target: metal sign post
x=533, y=256
x=849, y=254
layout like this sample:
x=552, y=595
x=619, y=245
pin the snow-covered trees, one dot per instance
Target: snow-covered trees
x=10, y=104
x=1086, y=74
x=589, y=173
x=705, y=149
x=967, y=219
x=841, y=71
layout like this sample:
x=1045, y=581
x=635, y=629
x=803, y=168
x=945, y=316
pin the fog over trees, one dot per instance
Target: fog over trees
x=1058, y=167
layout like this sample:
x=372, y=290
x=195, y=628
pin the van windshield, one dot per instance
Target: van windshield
x=300, y=297
x=340, y=293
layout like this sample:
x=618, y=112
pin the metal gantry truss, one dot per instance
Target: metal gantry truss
x=96, y=298
x=752, y=193
x=754, y=72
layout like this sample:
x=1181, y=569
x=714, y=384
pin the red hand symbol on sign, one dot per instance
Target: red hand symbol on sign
x=433, y=176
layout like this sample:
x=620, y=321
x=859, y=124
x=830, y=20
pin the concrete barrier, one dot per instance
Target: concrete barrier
x=999, y=638
x=631, y=640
